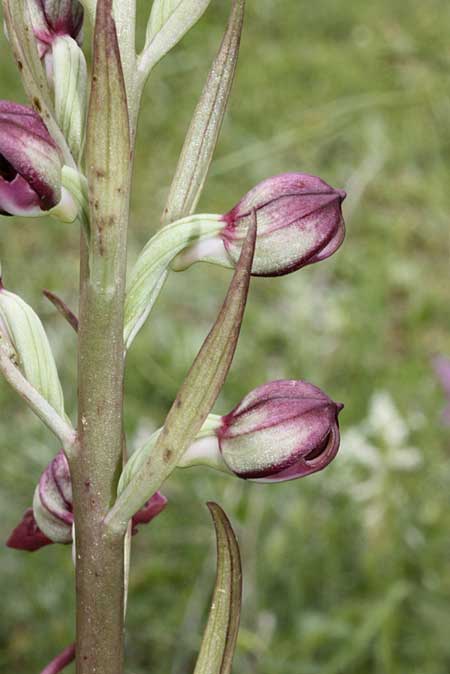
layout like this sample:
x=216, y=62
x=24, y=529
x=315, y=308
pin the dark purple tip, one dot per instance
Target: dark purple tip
x=27, y=535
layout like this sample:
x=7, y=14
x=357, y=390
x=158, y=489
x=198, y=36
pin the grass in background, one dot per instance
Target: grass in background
x=346, y=571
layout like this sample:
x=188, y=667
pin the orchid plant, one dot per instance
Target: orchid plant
x=70, y=156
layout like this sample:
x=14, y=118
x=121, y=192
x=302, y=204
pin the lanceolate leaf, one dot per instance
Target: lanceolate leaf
x=219, y=640
x=195, y=398
x=169, y=21
x=206, y=123
x=23, y=44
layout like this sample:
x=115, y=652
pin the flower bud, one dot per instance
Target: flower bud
x=280, y=431
x=299, y=221
x=51, y=519
x=30, y=163
x=55, y=18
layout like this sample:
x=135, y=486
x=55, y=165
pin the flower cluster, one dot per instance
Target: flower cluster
x=280, y=431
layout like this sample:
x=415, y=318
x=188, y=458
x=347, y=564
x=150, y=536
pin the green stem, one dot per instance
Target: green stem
x=96, y=467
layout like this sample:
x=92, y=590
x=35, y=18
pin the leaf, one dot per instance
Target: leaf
x=204, y=130
x=24, y=48
x=195, y=398
x=220, y=636
x=107, y=149
x=169, y=21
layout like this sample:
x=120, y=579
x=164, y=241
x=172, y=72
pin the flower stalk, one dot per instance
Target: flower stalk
x=96, y=467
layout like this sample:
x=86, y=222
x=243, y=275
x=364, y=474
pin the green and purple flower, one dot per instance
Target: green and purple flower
x=30, y=163
x=299, y=220
x=51, y=519
x=55, y=18
x=280, y=431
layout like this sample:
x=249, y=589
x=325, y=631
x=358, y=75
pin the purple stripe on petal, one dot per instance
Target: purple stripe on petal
x=51, y=498
x=304, y=466
x=61, y=474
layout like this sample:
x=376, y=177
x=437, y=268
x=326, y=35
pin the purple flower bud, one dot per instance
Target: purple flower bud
x=299, y=222
x=280, y=431
x=54, y=18
x=30, y=163
x=51, y=518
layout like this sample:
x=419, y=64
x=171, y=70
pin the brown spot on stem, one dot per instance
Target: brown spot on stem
x=167, y=455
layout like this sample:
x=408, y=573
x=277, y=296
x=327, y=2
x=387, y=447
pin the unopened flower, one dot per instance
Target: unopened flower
x=51, y=519
x=55, y=18
x=281, y=431
x=30, y=163
x=299, y=220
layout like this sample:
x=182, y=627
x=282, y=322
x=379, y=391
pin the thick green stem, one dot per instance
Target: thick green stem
x=96, y=467
x=99, y=558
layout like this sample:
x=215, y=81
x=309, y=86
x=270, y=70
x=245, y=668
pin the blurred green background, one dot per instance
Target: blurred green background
x=348, y=570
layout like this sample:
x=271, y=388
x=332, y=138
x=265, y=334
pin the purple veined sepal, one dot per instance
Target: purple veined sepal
x=55, y=18
x=299, y=220
x=280, y=431
x=51, y=519
x=31, y=167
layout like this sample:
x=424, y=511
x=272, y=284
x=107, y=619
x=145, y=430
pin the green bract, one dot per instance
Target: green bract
x=27, y=336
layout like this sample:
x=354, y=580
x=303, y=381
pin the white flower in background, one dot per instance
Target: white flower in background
x=374, y=453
